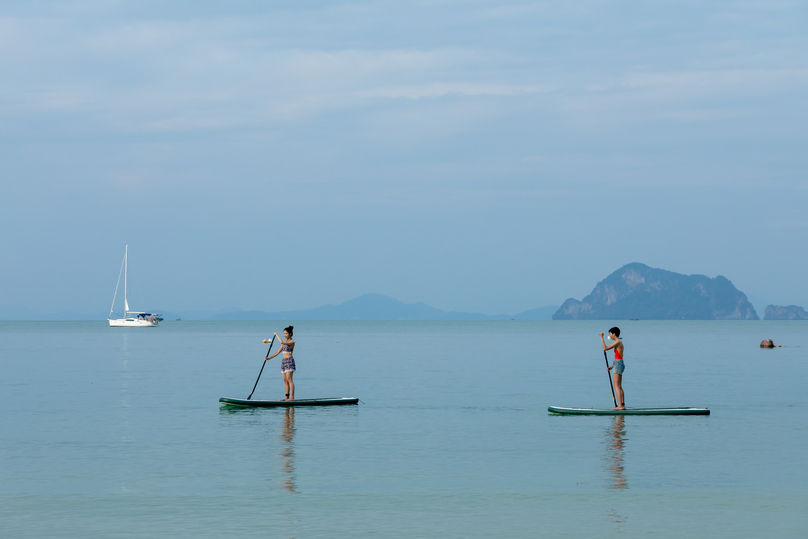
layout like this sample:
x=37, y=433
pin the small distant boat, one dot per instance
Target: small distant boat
x=628, y=411
x=140, y=319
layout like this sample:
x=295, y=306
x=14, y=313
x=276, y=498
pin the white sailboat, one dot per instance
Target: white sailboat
x=140, y=319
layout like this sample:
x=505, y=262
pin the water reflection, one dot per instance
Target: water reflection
x=615, y=449
x=125, y=368
x=613, y=458
x=257, y=419
x=288, y=451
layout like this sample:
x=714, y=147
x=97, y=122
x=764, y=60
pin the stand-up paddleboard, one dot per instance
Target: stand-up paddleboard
x=628, y=411
x=303, y=402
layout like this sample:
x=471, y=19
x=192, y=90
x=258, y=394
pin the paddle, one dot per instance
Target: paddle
x=607, y=372
x=262, y=367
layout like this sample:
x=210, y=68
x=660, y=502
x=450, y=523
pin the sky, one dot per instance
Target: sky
x=476, y=156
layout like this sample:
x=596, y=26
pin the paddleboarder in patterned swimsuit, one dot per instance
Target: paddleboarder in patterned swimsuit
x=618, y=365
x=287, y=363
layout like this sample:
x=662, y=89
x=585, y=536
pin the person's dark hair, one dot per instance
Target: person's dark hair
x=615, y=330
x=290, y=328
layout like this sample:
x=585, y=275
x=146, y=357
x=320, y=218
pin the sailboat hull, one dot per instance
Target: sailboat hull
x=131, y=323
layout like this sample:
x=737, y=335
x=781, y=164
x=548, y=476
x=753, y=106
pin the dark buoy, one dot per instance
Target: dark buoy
x=768, y=343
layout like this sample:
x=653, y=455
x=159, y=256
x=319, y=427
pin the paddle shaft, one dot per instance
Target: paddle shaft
x=262, y=367
x=607, y=372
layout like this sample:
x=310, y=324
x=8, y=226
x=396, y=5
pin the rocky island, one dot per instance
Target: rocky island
x=791, y=312
x=637, y=291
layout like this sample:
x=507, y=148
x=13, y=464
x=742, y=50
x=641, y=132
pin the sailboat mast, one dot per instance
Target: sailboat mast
x=117, y=284
x=125, y=274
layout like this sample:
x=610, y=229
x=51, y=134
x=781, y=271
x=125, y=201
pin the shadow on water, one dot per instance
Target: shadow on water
x=613, y=459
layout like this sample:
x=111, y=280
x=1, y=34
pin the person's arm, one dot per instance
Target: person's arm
x=603, y=341
x=287, y=343
x=273, y=355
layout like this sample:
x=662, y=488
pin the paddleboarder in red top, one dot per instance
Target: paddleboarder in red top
x=618, y=365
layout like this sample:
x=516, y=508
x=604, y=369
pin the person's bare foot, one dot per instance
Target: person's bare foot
x=284, y=399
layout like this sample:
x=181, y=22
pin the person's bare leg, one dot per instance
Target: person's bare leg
x=290, y=384
x=618, y=389
x=285, y=386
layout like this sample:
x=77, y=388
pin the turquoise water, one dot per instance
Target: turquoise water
x=118, y=432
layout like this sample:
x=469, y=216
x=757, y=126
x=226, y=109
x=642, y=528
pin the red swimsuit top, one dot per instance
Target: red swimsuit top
x=617, y=354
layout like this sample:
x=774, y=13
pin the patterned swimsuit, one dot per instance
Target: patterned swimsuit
x=288, y=363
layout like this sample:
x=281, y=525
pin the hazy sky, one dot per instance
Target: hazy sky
x=476, y=156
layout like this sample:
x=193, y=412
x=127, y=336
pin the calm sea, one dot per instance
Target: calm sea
x=118, y=432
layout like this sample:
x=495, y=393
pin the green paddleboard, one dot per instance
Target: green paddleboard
x=629, y=411
x=303, y=402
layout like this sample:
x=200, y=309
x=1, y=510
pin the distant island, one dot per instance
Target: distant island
x=380, y=307
x=637, y=291
x=791, y=312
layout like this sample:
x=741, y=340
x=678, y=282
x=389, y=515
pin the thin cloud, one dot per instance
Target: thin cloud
x=222, y=73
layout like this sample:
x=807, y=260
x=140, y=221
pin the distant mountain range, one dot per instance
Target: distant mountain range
x=380, y=307
x=633, y=291
x=366, y=307
x=639, y=291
